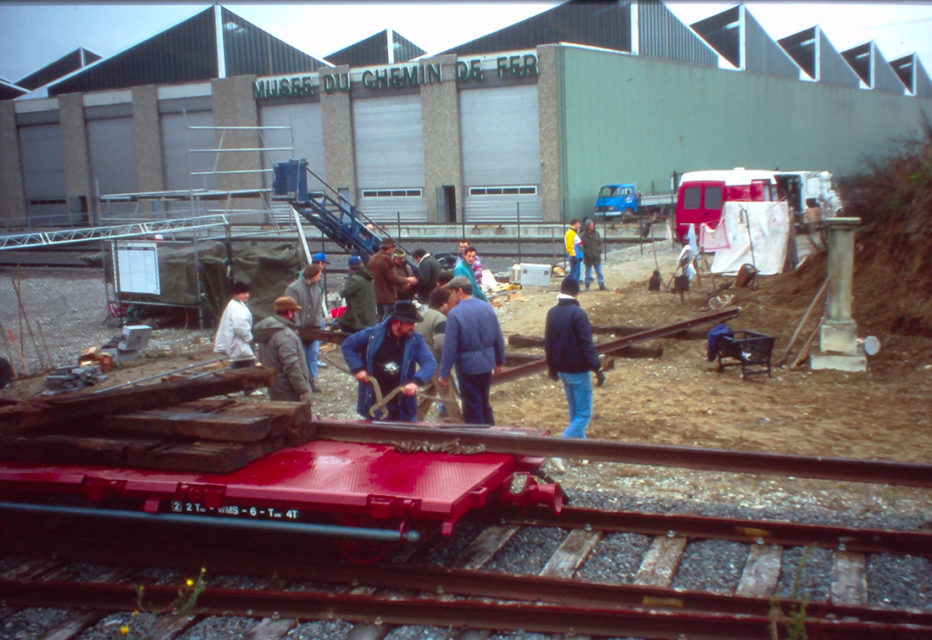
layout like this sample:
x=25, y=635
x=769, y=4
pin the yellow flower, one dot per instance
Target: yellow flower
x=124, y=630
x=190, y=582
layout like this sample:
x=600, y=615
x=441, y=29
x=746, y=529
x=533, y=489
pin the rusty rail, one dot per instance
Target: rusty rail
x=501, y=440
x=621, y=343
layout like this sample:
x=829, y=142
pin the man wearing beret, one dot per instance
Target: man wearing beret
x=393, y=355
x=234, y=334
x=280, y=349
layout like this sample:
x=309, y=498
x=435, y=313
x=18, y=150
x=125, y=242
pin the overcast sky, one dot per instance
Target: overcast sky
x=34, y=34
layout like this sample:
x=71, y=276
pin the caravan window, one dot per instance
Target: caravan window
x=692, y=197
x=713, y=197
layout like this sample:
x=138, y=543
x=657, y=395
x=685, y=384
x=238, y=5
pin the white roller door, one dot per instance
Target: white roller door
x=306, y=136
x=112, y=150
x=389, y=147
x=40, y=149
x=178, y=140
x=501, y=154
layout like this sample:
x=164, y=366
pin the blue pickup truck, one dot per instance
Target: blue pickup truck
x=623, y=201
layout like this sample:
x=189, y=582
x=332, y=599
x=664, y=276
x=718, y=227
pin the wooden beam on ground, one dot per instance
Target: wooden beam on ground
x=71, y=407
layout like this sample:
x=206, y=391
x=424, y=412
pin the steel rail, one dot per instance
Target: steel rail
x=473, y=614
x=486, y=584
x=621, y=343
x=746, y=531
x=516, y=442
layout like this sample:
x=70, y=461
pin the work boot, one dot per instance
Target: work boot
x=314, y=387
x=587, y=286
x=602, y=287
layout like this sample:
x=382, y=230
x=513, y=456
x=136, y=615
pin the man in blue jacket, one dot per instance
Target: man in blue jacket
x=474, y=342
x=571, y=355
x=394, y=355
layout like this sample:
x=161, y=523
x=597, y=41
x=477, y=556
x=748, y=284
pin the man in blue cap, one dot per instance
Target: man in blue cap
x=359, y=293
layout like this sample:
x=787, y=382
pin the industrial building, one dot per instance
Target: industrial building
x=524, y=123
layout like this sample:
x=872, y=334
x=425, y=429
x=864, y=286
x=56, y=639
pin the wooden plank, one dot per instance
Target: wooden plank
x=207, y=426
x=72, y=407
x=849, y=580
x=661, y=561
x=571, y=553
x=484, y=546
x=761, y=572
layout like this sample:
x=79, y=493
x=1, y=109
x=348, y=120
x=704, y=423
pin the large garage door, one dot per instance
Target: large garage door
x=178, y=140
x=389, y=147
x=43, y=164
x=112, y=148
x=501, y=154
x=306, y=136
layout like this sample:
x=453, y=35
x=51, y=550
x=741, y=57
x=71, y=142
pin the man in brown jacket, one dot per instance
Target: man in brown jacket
x=386, y=278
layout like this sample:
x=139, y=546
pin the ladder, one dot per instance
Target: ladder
x=337, y=219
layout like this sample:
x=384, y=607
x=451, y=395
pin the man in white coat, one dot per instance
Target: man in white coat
x=234, y=335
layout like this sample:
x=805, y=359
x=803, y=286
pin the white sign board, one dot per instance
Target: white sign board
x=136, y=267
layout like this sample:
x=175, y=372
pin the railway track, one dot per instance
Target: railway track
x=586, y=572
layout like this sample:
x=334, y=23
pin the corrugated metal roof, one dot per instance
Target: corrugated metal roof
x=186, y=52
x=600, y=24
x=723, y=32
x=913, y=75
x=871, y=67
x=376, y=50
x=8, y=90
x=762, y=54
x=662, y=35
x=247, y=49
x=68, y=63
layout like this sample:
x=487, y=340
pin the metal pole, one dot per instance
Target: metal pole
x=398, y=218
x=518, y=212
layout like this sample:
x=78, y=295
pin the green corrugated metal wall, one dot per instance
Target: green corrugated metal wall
x=630, y=119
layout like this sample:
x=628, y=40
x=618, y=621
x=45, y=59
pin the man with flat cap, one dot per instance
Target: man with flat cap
x=393, y=355
x=386, y=278
x=280, y=349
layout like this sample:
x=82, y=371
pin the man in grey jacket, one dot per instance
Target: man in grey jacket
x=307, y=293
x=473, y=341
x=280, y=349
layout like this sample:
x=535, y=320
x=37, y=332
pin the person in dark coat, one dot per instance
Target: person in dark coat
x=359, y=293
x=394, y=355
x=571, y=355
x=280, y=349
x=592, y=254
x=385, y=278
x=428, y=272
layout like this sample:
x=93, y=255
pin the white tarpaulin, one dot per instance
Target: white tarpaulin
x=757, y=234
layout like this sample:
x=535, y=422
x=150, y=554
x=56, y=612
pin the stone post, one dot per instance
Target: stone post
x=838, y=338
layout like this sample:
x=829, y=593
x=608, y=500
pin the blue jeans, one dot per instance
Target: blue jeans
x=598, y=273
x=474, y=391
x=578, y=388
x=311, y=351
x=576, y=268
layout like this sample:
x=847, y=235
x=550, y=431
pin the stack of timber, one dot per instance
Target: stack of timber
x=178, y=425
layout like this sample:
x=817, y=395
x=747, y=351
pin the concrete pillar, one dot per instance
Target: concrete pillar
x=838, y=337
x=337, y=117
x=549, y=91
x=148, y=132
x=440, y=124
x=235, y=106
x=75, y=150
x=12, y=192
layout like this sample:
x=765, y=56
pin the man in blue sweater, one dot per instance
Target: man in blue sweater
x=394, y=355
x=475, y=344
x=571, y=355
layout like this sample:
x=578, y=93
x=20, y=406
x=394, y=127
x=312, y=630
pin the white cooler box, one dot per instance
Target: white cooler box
x=531, y=275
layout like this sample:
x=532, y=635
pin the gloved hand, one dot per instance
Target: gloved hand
x=599, y=378
x=552, y=374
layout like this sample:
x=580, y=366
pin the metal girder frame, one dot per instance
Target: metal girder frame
x=115, y=232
